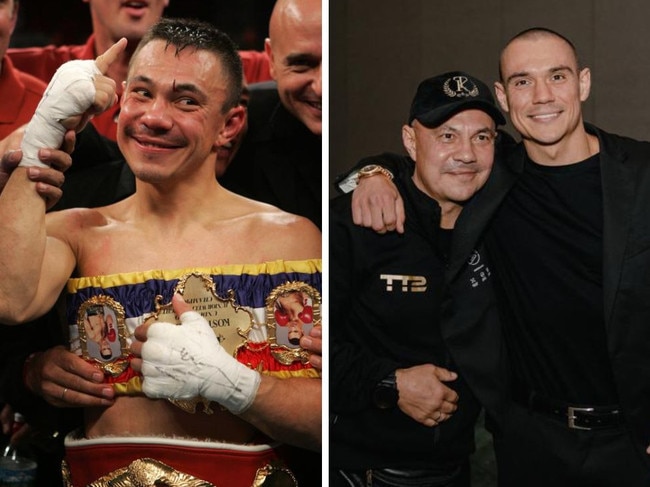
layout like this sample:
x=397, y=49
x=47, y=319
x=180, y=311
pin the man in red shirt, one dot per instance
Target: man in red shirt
x=111, y=21
x=20, y=91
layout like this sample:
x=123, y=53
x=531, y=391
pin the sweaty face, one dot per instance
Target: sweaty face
x=454, y=159
x=171, y=117
x=125, y=18
x=542, y=89
x=295, y=49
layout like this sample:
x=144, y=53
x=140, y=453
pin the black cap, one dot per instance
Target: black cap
x=441, y=97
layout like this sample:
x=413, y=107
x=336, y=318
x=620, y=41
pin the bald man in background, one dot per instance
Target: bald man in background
x=280, y=159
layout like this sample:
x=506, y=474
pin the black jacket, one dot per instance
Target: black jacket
x=625, y=172
x=280, y=160
x=384, y=317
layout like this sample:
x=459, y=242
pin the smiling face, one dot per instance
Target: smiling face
x=295, y=50
x=114, y=19
x=542, y=89
x=172, y=119
x=453, y=160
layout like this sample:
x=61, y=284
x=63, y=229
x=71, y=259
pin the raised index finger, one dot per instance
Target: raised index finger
x=103, y=61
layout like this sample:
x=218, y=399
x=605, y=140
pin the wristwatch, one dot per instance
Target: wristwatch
x=386, y=395
x=373, y=170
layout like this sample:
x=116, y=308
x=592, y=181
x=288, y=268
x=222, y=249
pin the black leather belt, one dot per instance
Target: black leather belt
x=389, y=477
x=577, y=417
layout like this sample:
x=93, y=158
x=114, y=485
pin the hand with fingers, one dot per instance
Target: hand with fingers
x=64, y=379
x=313, y=343
x=16, y=431
x=377, y=204
x=187, y=361
x=49, y=178
x=105, y=95
x=77, y=91
x=423, y=394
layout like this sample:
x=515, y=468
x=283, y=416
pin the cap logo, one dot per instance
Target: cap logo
x=460, y=87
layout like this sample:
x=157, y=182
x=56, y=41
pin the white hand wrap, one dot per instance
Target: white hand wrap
x=70, y=92
x=186, y=361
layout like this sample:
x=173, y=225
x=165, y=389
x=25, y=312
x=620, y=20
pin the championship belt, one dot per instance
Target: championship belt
x=266, y=340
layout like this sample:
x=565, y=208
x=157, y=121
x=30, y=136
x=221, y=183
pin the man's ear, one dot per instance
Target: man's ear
x=269, y=53
x=235, y=121
x=585, y=83
x=500, y=91
x=408, y=139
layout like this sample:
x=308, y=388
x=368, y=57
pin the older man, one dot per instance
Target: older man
x=403, y=412
x=280, y=161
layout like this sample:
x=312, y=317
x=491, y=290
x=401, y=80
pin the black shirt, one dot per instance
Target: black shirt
x=386, y=300
x=280, y=160
x=546, y=243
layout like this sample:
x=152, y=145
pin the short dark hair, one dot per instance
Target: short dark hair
x=200, y=35
x=533, y=32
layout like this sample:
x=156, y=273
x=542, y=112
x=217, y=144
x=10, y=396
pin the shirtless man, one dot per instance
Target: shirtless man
x=112, y=21
x=180, y=104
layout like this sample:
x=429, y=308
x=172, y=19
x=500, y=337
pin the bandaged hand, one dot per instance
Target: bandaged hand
x=186, y=361
x=77, y=91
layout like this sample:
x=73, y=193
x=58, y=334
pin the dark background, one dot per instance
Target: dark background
x=42, y=22
x=380, y=50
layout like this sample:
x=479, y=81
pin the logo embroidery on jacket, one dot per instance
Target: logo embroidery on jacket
x=405, y=284
x=481, y=272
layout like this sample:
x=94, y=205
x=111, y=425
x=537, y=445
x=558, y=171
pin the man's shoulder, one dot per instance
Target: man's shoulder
x=269, y=218
x=71, y=222
x=32, y=84
x=293, y=236
x=42, y=62
x=287, y=223
x=612, y=143
x=263, y=101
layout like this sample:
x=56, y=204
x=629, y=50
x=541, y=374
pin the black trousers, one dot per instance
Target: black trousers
x=453, y=477
x=534, y=450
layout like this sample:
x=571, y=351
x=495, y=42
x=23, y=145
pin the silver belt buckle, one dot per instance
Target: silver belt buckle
x=572, y=417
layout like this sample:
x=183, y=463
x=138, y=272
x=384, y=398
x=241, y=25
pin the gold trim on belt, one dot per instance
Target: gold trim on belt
x=147, y=472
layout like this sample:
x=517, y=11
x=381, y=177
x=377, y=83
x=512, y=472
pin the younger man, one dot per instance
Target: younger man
x=179, y=105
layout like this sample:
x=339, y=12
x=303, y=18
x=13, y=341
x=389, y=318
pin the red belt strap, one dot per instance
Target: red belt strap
x=218, y=464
